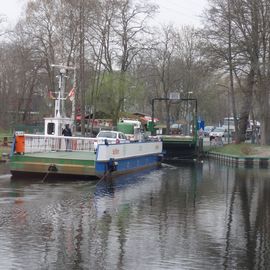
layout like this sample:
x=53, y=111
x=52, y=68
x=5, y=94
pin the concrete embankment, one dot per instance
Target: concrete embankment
x=240, y=161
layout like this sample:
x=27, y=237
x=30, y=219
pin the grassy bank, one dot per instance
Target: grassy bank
x=5, y=149
x=244, y=149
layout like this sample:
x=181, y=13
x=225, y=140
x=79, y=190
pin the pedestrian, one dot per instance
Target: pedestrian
x=67, y=132
x=201, y=133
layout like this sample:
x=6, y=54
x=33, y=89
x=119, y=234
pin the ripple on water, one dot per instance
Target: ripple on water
x=175, y=218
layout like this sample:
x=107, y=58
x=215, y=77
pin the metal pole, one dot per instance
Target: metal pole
x=62, y=92
x=73, y=110
x=188, y=128
x=60, y=105
x=152, y=131
x=228, y=117
x=188, y=116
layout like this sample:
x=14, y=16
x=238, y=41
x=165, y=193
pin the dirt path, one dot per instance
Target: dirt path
x=261, y=151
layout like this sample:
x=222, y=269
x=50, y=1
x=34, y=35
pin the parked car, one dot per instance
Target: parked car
x=176, y=128
x=207, y=130
x=110, y=137
x=217, y=132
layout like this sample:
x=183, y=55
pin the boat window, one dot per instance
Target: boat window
x=122, y=136
x=107, y=135
x=50, y=128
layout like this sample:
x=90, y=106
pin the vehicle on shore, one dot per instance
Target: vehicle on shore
x=207, y=130
x=110, y=137
x=131, y=128
x=217, y=132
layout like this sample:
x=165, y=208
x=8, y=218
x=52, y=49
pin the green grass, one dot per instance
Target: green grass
x=242, y=149
x=5, y=149
x=5, y=133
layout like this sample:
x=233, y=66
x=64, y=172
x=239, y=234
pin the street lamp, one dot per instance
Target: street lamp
x=228, y=89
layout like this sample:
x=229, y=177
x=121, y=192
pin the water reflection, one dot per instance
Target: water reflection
x=250, y=198
x=192, y=216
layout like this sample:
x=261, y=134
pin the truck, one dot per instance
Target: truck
x=131, y=128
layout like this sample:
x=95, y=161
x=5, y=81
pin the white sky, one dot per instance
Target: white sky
x=178, y=12
x=11, y=9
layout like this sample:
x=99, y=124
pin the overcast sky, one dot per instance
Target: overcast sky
x=178, y=12
x=12, y=9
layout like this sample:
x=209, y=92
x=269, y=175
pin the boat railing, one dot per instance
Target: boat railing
x=41, y=143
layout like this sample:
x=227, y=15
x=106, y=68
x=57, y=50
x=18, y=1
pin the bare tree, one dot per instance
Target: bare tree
x=177, y=65
x=247, y=24
x=116, y=39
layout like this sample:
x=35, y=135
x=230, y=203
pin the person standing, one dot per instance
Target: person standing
x=67, y=132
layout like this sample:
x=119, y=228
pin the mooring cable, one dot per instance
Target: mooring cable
x=52, y=168
x=103, y=177
x=46, y=175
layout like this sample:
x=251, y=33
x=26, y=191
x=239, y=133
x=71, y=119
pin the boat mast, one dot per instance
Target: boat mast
x=59, y=110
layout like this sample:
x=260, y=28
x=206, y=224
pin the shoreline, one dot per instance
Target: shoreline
x=244, y=155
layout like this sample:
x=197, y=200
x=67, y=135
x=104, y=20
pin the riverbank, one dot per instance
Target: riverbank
x=242, y=150
x=248, y=155
x=4, y=153
x=5, y=144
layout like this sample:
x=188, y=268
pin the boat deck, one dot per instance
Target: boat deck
x=60, y=162
x=73, y=155
x=179, y=138
x=177, y=147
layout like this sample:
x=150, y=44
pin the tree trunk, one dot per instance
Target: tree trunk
x=246, y=107
x=265, y=117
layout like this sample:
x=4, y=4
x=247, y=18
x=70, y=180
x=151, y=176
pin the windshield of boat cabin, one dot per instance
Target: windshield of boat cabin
x=107, y=135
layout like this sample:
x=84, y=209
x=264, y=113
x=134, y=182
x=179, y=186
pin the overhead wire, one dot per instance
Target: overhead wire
x=180, y=9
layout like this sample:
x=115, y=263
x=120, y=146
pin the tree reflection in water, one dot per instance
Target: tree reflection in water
x=184, y=216
x=251, y=193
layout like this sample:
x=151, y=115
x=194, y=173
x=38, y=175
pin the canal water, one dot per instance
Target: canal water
x=189, y=216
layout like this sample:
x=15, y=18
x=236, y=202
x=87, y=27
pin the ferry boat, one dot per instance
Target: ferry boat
x=43, y=154
x=52, y=154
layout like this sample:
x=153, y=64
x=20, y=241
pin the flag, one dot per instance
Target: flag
x=71, y=94
x=51, y=96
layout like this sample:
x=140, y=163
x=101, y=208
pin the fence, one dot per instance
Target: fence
x=42, y=143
